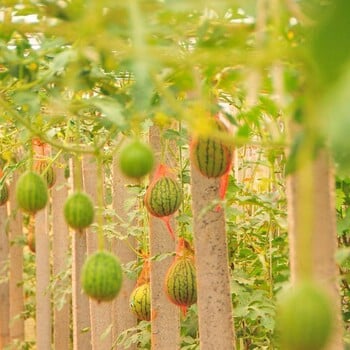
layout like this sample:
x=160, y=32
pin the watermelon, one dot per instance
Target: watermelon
x=180, y=282
x=4, y=194
x=79, y=210
x=211, y=156
x=163, y=197
x=304, y=318
x=136, y=159
x=102, y=276
x=140, y=302
x=31, y=192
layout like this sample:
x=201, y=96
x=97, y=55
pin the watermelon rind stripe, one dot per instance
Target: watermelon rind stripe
x=169, y=199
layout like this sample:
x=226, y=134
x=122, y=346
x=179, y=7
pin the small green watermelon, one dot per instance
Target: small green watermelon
x=79, y=210
x=304, y=318
x=102, y=276
x=136, y=159
x=31, y=192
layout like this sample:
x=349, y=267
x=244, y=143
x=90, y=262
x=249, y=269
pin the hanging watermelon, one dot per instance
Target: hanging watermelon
x=180, y=281
x=163, y=196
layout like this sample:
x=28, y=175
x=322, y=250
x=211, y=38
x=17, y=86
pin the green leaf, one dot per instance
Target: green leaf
x=244, y=131
x=342, y=255
x=335, y=108
x=60, y=61
x=112, y=110
x=269, y=106
x=28, y=101
x=330, y=44
x=161, y=256
x=171, y=134
x=242, y=311
x=339, y=198
x=343, y=224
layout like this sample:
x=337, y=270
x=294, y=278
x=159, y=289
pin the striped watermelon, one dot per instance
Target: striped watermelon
x=4, y=193
x=163, y=197
x=140, y=302
x=43, y=168
x=101, y=276
x=180, y=282
x=31, y=192
x=211, y=156
x=79, y=210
